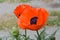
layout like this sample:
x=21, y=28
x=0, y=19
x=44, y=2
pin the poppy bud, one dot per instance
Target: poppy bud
x=15, y=32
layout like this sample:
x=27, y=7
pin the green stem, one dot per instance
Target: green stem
x=25, y=34
x=38, y=35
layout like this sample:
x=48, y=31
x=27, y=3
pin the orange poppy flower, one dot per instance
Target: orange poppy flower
x=19, y=9
x=32, y=18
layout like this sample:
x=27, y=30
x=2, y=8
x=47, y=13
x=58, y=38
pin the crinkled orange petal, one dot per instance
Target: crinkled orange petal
x=45, y=14
x=21, y=24
x=19, y=9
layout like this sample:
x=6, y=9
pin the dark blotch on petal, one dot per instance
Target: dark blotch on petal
x=33, y=20
x=19, y=14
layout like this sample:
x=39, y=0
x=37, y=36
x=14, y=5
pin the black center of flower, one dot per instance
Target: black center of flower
x=33, y=20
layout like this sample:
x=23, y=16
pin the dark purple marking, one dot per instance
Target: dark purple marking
x=33, y=20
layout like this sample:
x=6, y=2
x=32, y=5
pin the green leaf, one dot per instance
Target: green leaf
x=43, y=34
x=52, y=36
x=38, y=35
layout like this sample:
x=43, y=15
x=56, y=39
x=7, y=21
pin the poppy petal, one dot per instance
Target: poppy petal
x=19, y=9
